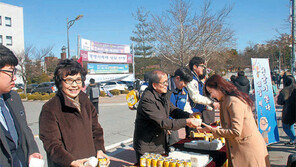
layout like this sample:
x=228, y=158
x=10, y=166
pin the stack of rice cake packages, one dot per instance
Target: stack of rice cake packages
x=197, y=159
x=206, y=144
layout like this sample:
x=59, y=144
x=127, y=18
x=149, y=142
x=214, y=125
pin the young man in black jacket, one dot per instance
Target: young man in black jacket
x=17, y=144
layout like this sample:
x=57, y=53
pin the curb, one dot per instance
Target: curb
x=112, y=104
x=124, y=142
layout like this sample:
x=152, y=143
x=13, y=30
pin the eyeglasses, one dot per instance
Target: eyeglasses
x=164, y=83
x=70, y=81
x=202, y=65
x=13, y=72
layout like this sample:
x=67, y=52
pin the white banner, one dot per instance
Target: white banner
x=103, y=47
x=109, y=77
x=107, y=58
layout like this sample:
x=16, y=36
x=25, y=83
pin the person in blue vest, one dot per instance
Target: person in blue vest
x=197, y=100
x=17, y=144
x=179, y=95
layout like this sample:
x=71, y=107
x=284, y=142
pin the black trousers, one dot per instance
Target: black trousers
x=96, y=104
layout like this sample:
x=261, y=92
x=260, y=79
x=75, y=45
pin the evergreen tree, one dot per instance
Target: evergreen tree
x=142, y=35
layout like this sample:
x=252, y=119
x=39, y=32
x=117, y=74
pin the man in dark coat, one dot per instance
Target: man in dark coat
x=287, y=99
x=93, y=92
x=17, y=144
x=242, y=83
x=152, y=120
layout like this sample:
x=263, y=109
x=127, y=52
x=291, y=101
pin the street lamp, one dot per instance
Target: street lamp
x=69, y=24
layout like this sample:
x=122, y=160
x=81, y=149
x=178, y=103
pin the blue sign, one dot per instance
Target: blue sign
x=265, y=107
x=94, y=68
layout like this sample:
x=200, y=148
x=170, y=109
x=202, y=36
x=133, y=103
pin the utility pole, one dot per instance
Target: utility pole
x=134, y=74
x=293, y=37
x=78, y=46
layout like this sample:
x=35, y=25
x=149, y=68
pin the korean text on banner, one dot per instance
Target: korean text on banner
x=94, y=68
x=106, y=58
x=265, y=107
x=103, y=47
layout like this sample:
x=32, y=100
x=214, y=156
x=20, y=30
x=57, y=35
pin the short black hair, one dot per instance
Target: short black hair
x=146, y=76
x=92, y=81
x=232, y=78
x=196, y=61
x=68, y=67
x=241, y=73
x=7, y=57
x=184, y=74
x=154, y=76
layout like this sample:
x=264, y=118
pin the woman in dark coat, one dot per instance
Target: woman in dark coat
x=68, y=123
x=287, y=98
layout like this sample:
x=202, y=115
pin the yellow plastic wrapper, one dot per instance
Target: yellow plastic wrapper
x=197, y=116
x=132, y=98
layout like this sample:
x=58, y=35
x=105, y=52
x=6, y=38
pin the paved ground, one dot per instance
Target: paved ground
x=118, y=133
x=278, y=152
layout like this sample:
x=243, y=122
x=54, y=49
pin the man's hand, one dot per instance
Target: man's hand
x=216, y=105
x=101, y=154
x=195, y=115
x=35, y=155
x=193, y=122
x=78, y=162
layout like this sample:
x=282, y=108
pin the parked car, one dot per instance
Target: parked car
x=114, y=85
x=45, y=87
x=129, y=84
x=19, y=86
x=30, y=87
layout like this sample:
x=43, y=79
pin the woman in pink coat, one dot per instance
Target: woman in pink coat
x=245, y=144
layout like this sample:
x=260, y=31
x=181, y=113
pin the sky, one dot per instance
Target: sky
x=111, y=21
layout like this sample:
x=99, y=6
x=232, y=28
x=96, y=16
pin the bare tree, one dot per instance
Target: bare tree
x=23, y=59
x=30, y=63
x=181, y=35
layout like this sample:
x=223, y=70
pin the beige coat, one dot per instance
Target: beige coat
x=245, y=144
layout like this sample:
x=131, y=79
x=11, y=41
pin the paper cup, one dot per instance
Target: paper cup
x=35, y=162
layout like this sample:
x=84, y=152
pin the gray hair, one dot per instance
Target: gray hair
x=155, y=76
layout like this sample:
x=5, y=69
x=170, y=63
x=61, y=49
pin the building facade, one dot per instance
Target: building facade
x=12, y=30
x=12, y=27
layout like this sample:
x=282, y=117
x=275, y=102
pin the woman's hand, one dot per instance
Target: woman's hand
x=206, y=128
x=78, y=162
x=216, y=105
x=101, y=154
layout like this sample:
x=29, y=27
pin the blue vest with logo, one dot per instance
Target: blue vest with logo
x=194, y=106
x=178, y=98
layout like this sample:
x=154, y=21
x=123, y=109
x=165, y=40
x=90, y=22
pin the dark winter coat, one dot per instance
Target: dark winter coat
x=152, y=122
x=287, y=97
x=26, y=139
x=242, y=84
x=67, y=133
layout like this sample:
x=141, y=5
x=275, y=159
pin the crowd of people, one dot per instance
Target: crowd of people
x=70, y=131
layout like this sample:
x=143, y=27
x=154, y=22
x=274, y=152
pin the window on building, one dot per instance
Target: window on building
x=8, y=40
x=1, y=40
x=8, y=21
x=0, y=20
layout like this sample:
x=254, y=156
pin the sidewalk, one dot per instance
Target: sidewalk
x=124, y=155
x=115, y=99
